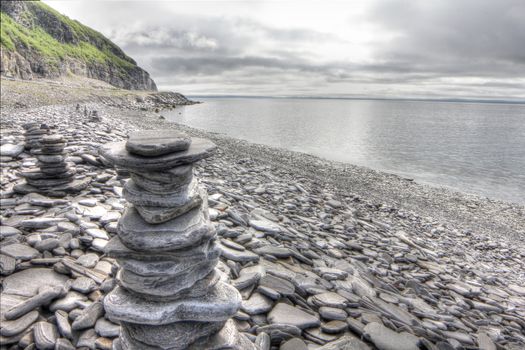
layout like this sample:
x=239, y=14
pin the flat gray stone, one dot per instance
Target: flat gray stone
x=286, y=314
x=228, y=338
x=294, y=344
x=183, y=196
x=278, y=284
x=84, y=285
x=168, y=287
x=105, y=328
x=117, y=154
x=14, y=327
x=348, y=342
x=88, y=317
x=45, y=335
x=257, y=304
x=157, y=142
x=175, y=176
x=19, y=251
x=386, y=339
x=238, y=256
x=8, y=231
x=219, y=304
x=184, y=231
x=7, y=265
x=11, y=150
x=28, y=282
x=170, y=336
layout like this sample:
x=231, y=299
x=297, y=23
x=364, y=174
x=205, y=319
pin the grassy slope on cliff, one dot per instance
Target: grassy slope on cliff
x=34, y=29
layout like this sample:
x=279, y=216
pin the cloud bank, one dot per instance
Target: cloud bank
x=392, y=48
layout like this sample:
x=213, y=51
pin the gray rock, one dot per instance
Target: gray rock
x=62, y=321
x=348, y=342
x=45, y=295
x=108, y=329
x=87, y=339
x=64, y=344
x=117, y=154
x=257, y=304
x=184, y=231
x=386, y=339
x=10, y=150
x=294, y=344
x=218, y=305
x=88, y=317
x=150, y=143
x=69, y=302
x=286, y=314
x=17, y=326
x=84, y=285
x=239, y=256
x=28, y=282
x=8, y=231
x=7, y=265
x=45, y=335
x=19, y=251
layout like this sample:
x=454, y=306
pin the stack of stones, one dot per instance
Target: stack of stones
x=52, y=176
x=170, y=295
x=33, y=134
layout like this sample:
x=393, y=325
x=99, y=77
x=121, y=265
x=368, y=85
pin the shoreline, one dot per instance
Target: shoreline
x=397, y=252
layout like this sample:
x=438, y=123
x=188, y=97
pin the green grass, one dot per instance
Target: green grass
x=86, y=44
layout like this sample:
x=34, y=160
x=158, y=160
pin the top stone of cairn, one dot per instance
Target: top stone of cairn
x=150, y=143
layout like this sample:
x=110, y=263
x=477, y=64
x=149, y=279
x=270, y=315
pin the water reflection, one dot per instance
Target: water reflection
x=478, y=148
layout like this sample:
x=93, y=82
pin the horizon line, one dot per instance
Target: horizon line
x=426, y=99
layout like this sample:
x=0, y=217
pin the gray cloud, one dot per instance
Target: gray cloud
x=454, y=38
x=434, y=47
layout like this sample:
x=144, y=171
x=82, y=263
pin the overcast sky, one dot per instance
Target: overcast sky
x=378, y=48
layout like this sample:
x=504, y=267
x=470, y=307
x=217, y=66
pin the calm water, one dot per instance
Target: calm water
x=472, y=147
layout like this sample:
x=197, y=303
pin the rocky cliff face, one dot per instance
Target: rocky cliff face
x=37, y=41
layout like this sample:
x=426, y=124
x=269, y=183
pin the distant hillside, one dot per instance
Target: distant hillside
x=37, y=41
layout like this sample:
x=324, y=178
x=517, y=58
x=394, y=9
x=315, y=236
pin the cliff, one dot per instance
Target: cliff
x=38, y=42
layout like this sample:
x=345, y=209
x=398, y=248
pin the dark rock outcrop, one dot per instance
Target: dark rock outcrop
x=38, y=42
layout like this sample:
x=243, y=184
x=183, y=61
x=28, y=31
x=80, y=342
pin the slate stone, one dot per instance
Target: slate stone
x=84, y=285
x=176, y=176
x=167, y=286
x=7, y=265
x=88, y=317
x=257, y=304
x=68, y=302
x=19, y=251
x=181, y=232
x=334, y=327
x=185, y=196
x=347, y=342
x=45, y=335
x=386, y=339
x=286, y=314
x=218, y=305
x=157, y=142
x=28, y=282
x=105, y=328
x=294, y=344
x=238, y=256
x=17, y=326
x=117, y=154
x=227, y=338
x=330, y=299
x=11, y=150
x=8, y=231
x=45, y=295
x=278, y=284
x=175, y=335
x=160, y=187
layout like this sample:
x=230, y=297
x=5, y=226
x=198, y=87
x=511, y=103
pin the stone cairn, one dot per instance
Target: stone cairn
x=33, y=134
x=170, y=295
x=52, y=176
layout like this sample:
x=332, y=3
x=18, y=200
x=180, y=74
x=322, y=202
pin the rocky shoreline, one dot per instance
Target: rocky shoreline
x=323, y=254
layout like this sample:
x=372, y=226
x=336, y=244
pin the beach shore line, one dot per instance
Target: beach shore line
x=334, y=238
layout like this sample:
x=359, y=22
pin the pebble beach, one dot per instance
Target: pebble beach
x=325, y=255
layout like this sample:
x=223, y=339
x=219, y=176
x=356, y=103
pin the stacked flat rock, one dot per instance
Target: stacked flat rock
x=170, y=295
x=34, y=133
x=53, y=175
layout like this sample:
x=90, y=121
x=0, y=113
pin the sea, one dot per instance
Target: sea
x=471, y=147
